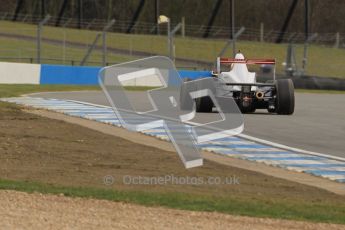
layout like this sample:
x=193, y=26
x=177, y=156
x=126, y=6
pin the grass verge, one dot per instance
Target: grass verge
x=14, y=90
x=8, y=90
x=237, y=206
x=41, y=155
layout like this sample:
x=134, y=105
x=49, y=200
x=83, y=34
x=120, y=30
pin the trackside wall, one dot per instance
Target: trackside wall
x=19, y=73
x=81, y=75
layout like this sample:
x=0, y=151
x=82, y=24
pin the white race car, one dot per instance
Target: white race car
x=277, y=96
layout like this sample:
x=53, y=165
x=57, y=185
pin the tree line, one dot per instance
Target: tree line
x=326, y=16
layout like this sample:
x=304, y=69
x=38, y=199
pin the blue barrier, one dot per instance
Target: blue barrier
x=69, y=75
x=194, y=74
x=84, y=75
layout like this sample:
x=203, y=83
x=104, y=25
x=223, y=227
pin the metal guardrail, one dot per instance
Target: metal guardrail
x=302, y=82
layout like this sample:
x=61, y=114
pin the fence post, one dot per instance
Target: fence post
x=86, y=57
x=261, y=32
x=183, y=28
x=232, y=41
x=337, y=40
x=171, y=40
x=305, y=52
x=90, y=23
x=233, y=36
x=39, y=33
x=104, y=34
x=4, y=16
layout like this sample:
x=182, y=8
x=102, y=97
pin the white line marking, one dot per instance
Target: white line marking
x=289, y=148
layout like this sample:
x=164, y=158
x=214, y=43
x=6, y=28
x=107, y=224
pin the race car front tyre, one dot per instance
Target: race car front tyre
x=185, y=100
x=285, y=98
x=250, y=109
x=272, y=110
x=204, y=104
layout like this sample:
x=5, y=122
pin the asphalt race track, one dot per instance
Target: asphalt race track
x=318, y=123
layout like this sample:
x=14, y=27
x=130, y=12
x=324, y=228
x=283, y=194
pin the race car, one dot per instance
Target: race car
x=275, y=95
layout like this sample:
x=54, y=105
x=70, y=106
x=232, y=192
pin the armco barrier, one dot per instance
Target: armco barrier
x=19, y=73
x=80, y=75
x=69, y=75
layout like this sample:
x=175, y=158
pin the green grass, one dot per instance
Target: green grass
x=332, y=213
x=23, y=49
x=323, y=61
x=18, y=90
x=13, y=90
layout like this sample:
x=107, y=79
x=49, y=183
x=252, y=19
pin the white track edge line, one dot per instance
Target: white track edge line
x=281, y=146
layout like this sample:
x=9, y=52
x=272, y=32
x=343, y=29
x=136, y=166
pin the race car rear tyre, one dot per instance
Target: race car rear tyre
x=250, y=109
x=272, y=110
x=184, y=103
x=204, y=104
x=285, y=100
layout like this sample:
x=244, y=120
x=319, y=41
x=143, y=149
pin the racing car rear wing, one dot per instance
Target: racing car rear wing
x=229, y=61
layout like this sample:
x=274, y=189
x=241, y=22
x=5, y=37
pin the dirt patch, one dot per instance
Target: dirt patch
x=35, y=148
x=37, y=211
x=138, y=138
